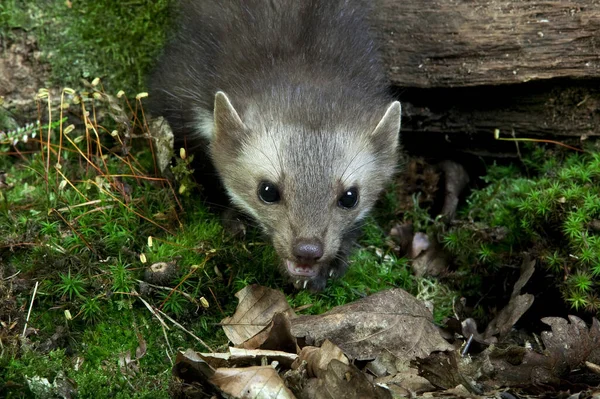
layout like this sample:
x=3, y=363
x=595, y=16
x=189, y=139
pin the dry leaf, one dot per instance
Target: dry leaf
x=126, y=364
x=517, y=306
x=429, y=256
x=447, y=370
x=163, y=138
x=276, y=336
x=255, y=311
x=317, y=359
x=509, y=315
x=456, y=179
x=389, y=321
x=567, y=347
x=141, y=349
x=406, y=383
x=190, y=366
x=251, y=382
x=345, y=381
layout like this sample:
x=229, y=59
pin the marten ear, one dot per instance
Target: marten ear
x=228, y=123
x=386, y=135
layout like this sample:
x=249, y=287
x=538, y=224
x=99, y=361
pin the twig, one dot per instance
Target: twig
x=187, y=331
x=194, y=269
x=185, y=294
x=98, y=209
x=14, y=275
x=497, y=137
x=163, y=326
x=216, y=301
x=68, y=208
x=168, y=344
x=151, y=309
x=87, y=244
x=30, y=307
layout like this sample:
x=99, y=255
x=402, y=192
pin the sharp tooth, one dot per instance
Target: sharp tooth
x=331, y=273
x=297, y=282
x=305, y=283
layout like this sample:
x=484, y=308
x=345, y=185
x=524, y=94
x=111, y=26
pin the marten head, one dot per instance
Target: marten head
x=307, y=178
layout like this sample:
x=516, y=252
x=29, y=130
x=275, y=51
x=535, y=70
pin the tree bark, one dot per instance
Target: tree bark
x=454, y=43
x=537, y=109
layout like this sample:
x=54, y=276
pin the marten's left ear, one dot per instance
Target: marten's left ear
x=227, y=122
x=386, y=135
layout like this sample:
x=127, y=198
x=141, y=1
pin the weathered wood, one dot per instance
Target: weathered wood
x=453, y=43
x=536, y=109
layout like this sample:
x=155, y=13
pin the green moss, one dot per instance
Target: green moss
x=114, y=40
x=545, y=212
x=89, y=229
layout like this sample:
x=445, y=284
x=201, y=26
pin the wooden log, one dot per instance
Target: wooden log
x=564, y=109
x=454, y=43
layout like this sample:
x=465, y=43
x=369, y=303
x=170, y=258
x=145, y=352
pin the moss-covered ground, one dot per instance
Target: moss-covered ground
x=115, y=40
x=84, y=213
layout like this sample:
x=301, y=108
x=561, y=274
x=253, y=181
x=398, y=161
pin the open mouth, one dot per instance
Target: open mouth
x=301, y=270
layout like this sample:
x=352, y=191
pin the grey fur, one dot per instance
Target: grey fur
x=302, y=105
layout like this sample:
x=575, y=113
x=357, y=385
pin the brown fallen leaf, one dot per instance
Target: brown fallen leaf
x=127, y=365
x=573, y=341
x=140, y=351
x=402, y=236
x=255, y=311
x=406, y=383
x=163, y=138
x=418, y=176
x=345, y=381
x=594, y=225
x=389, y=321
x=317, y=359
x=448, y=370
x=456, y=179
x=430, y=258
x=275, y=336
x=191, y=367
x=504, y=321
x=567, y=347
x=241, y=382
x=251, y=383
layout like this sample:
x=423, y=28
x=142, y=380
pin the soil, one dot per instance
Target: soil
x=22, y=74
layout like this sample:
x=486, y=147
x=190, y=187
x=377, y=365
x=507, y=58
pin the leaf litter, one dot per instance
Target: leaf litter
x=387, y=346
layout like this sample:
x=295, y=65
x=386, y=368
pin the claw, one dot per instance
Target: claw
x=331, y=273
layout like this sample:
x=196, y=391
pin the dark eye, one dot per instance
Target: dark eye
x=268, y=192
x=349, y=199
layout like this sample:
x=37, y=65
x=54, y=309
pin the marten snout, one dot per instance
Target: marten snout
x=308, y=250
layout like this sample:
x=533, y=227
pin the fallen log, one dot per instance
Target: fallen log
x=563, y=108
x=454, y=43
x=466, y=68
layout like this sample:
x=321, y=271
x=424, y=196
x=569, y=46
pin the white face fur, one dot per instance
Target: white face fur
x=306, y=188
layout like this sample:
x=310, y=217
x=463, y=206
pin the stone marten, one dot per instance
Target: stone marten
x=289, y=102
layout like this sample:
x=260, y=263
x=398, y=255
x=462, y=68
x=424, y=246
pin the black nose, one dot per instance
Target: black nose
x=306, y=250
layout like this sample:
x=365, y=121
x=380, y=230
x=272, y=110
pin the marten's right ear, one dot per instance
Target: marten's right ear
x=385, y=137
x=227, y=122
